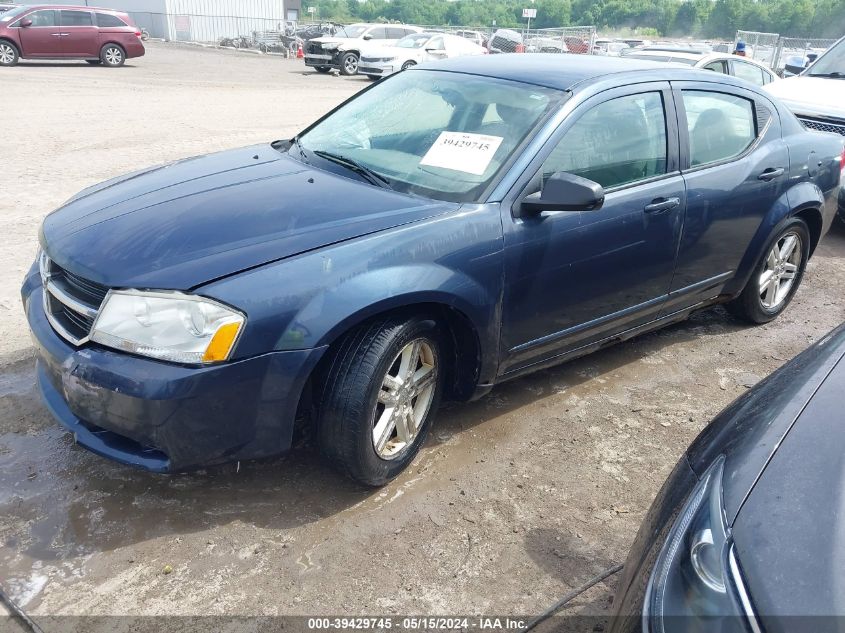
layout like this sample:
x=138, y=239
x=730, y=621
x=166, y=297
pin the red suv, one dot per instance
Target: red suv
x=99, y=36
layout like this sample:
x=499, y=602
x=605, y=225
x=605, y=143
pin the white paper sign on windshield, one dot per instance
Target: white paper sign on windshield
x=462, y=151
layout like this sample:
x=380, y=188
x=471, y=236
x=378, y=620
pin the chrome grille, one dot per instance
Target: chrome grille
x=823, y=125
x=71, y=302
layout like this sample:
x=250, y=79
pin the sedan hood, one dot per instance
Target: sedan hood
x=193, y=221
x=790, y=533
x=814, y=96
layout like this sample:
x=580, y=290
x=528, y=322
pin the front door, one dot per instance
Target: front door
x=80, y=35
x=42, y=38
x=572, y=278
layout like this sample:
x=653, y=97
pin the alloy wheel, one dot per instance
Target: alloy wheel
x=113, y=56
x=350, y=64
x=7, y=53
x=405, y=396
x=779, y=271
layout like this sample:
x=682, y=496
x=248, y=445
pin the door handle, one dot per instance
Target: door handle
x=662, y=205
x=771, y=173
x=55, y=34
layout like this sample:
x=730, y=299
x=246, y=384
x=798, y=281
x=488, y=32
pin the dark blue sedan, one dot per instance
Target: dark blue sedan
x=445, y=230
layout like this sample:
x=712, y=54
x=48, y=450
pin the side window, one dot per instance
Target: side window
x=42, y=18
x=717, y=66
x=378, y=33
x=436, y=44
x=749, y=72
x=76, y=18
x=721, y=126
x=395, y=33
x=614, y=143
x=106, y=20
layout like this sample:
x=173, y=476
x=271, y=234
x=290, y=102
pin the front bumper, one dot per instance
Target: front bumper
x=380, y=69
x=161, y=416
x=322, y=60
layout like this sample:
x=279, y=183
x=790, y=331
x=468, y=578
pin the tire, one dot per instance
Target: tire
x=9, y=54
x=349, y=64
x=761, y=302
x=322, y=69
x=408, y=64
x=94, y=62
x=112, y=55
x=358, y=397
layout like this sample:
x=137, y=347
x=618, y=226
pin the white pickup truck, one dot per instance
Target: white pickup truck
x=817, y=96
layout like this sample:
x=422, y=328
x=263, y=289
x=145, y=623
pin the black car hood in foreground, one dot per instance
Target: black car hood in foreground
x=184, y=224
x=784, y=487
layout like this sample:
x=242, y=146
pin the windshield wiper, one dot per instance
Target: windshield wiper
x=295, y=142
x=353, y=165
x=834, y=75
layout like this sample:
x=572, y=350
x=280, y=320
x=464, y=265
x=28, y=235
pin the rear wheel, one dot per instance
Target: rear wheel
x=349, y=64
x=8, y=54
x=380, y=393
x=777, y=275
x=112, y=55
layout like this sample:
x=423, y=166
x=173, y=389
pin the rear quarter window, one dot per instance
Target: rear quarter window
x=106, y=20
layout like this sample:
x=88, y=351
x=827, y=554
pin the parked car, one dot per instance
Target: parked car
x=454, y=226
x=414, y=49
x=609, y=48
x=545, y=45
x=343, y=49
x=744, y=533
x=506, y=41
x=6, y=7
x=727, y=64
x=576, y=45
x=99, y=36
x=473, y=36
x=817, y=96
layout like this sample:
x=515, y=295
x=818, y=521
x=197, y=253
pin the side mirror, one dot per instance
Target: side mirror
x=368, y=37
x=794, y=69
x=564, y=192
x=26, y=22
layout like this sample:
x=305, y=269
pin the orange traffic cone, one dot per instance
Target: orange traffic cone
x=299, y=52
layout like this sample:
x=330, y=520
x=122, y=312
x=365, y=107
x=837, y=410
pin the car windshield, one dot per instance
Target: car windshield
x=417, y=40
x=442, y=135
x=356, y=30
x=832, y=63
x=11, y=14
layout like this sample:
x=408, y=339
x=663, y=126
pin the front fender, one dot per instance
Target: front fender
x=798, y=198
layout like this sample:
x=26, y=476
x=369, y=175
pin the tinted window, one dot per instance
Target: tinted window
x=107, y=20
x=721, y=126
x=378, y=33
x=76, y=18
x=42, y=18
x=616, y=142
x=749, y=72
x=394, y=33
x=718, y=67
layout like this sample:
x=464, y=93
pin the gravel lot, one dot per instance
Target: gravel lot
x=515, y=499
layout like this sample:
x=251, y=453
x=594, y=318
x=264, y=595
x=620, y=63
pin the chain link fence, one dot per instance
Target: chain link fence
x=579, y=40
x=227, y=30
x=758, y=46
x=777, y=52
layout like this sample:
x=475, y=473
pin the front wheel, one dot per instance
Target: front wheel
x=379, y=397
x=8, y=54
x=112, y=55
x=777, y=275
x=349, y=64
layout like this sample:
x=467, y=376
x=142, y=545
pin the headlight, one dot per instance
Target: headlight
x=330, y=46
x=168, y=326
x=692, y=586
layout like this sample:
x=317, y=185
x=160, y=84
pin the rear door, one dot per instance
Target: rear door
x=80, y=36
x=734, y=164
x=43, y=38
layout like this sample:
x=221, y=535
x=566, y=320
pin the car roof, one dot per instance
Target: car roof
x=675, y=53
x=73, y=6
x=563, y=72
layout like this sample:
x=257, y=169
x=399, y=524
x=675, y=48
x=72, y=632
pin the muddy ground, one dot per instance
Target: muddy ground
x=514, y=500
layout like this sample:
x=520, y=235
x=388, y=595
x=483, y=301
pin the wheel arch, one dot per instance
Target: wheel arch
x=13, y=43
x=804, y=201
